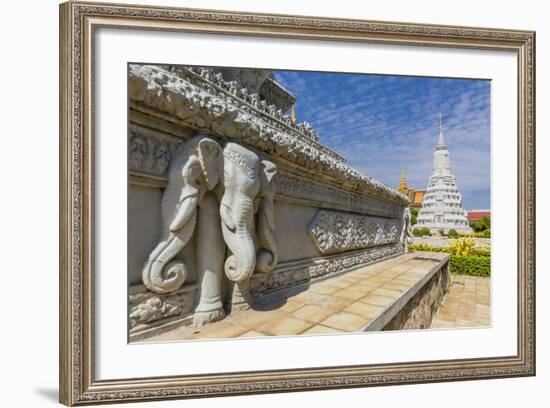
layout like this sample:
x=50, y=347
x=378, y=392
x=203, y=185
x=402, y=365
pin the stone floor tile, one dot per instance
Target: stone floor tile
x=307, y=297
x=364, y=286
x=313, y=313
x=341, y=283
x=346, y=321
x=414, y=275
x=350, y=294
x=395, y=286
x=253, y=318
x=463, y=306
x=377, y=300
x=291, y=305
x=483, y=322
x=366, y=275
x=442, y=324
x=446, y=315
x=483, y=301
x=364, y=309
x=465, y=323
x=332, y=302
x=287, y=325
x=320, y=329
x=405, y=281
x=254, y=333
x=349, y=278
x=401, y=267
x=481, y=308
x=219, y=331
x=381, y=280
x=391, y=293
x=325, y=289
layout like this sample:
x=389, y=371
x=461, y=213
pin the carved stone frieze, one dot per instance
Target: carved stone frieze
x=201, y=99
x=335, y=232
x=150, y=153
x=147, y=308
x=294, y=273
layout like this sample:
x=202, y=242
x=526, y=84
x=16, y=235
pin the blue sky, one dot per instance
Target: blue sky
x=382, y=124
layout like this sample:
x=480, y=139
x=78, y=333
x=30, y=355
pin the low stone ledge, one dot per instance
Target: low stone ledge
x=417, y=306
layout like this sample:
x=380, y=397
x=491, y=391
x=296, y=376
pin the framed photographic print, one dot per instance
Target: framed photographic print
x=256, y=203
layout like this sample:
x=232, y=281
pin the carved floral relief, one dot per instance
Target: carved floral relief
x=335, y=232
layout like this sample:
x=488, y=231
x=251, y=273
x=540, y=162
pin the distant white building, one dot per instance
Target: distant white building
x=442, y=203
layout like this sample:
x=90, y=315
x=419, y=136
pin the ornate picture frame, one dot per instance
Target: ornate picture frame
x=78, y=25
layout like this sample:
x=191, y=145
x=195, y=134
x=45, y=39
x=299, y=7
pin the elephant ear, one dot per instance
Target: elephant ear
x=268, y=171
x=211, y=159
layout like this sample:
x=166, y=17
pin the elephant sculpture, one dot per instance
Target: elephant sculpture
x=197, y=206
x=193, y=173
x=241, y=186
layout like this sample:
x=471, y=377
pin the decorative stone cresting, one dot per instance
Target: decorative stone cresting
x=335, y=232
x=199, y=98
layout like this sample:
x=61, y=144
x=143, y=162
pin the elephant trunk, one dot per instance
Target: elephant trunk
x=240, y=265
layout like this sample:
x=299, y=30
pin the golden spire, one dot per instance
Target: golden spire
x=293, y=114
x=403, y=188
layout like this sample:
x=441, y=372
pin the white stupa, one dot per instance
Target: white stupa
x=442, y=203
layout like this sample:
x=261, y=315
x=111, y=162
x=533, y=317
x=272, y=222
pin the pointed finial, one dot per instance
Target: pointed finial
x=293, y=114
x=441, y=141
x=403, y=188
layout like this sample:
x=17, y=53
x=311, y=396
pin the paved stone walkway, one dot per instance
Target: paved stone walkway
x=347, y=303
x=468, y=303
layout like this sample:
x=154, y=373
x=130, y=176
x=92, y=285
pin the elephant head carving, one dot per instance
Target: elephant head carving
x=196, y=170
x=267, y=256
x=237, y=207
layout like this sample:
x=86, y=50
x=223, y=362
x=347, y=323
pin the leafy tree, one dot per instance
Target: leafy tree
x=414, y=214
x=481, y=225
